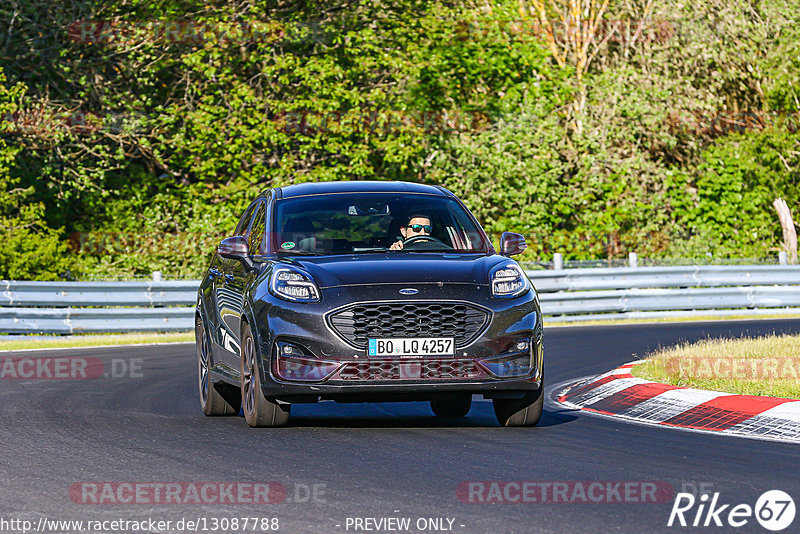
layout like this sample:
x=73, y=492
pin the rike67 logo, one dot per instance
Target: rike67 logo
x=774, y=510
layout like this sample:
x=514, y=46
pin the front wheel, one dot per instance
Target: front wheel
x=212, y=402
x=520, y=412
x=258, y=411
x=452, y=407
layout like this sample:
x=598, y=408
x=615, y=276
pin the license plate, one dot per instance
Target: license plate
x=412, y=346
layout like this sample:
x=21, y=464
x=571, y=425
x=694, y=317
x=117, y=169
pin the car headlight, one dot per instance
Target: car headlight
x=508, y=280
x=294, y=285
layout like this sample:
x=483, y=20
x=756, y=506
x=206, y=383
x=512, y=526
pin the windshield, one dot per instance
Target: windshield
x=374, y=222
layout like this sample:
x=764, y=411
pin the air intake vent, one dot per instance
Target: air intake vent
x=411, y=370
x=360, y=322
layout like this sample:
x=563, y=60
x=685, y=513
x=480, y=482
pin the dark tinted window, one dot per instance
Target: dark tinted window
x=244, y=222
x=371, y=222
x=257, y=231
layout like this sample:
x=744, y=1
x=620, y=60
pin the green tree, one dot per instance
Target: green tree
x=31, y=250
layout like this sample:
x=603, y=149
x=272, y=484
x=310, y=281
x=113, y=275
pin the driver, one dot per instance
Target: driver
x=417, y=225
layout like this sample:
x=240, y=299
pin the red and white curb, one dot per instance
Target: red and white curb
x=620, y=394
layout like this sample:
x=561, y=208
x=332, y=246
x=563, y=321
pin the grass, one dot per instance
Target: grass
x=768, y=365
x=91, y=340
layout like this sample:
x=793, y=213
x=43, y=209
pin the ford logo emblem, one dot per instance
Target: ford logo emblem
x=409, y=291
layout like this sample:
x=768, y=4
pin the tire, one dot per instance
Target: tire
x=520, y=412
x=212, y=402
x=258, y=411
x=452, y=407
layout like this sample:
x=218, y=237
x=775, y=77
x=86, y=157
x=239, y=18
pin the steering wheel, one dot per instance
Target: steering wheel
x=421, y=238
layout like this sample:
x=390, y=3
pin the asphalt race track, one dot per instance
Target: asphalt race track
x=369, y=460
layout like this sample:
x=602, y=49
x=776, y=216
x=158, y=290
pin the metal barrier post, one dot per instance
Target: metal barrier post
x=558, y=261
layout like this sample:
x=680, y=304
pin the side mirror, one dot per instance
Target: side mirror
x=235, y=248
x=511, y=244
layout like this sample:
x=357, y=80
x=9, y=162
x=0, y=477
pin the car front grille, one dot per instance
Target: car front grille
x=410, y=370
x=359, y=322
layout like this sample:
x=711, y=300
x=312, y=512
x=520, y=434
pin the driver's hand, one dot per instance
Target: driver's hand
x=398, y=245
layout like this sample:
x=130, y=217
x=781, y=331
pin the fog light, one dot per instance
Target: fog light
x=293, y=364
x=305, y=369
x=508, y=366
x=522, y=345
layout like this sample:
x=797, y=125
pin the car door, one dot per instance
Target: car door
x=229, y=299
x=239, y=277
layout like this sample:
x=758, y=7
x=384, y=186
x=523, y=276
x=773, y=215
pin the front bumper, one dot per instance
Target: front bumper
x=305, y=325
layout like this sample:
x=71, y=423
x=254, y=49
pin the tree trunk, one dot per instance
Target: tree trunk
x=789, y=232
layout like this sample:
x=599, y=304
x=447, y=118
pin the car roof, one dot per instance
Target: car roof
x=322, y=188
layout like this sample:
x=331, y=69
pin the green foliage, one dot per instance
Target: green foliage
x=726, y=206
x=141, y=139
x=30, y=249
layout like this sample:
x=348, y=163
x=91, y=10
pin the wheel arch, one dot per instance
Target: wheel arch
x=248, y=318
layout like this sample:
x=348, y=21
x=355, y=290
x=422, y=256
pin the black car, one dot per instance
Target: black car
x=367, y=291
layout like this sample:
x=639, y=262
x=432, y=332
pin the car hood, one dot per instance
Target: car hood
x=399, y=268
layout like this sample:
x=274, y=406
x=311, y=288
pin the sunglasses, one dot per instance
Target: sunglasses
x=417, y=227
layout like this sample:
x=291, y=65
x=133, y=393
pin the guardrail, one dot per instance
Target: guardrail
x=565, y=295
x=83, y=307
x=640, y=292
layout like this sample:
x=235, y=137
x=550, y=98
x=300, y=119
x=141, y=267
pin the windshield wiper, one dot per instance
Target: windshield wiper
x=298, y=253
x=373, y=249
x=433, y=250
